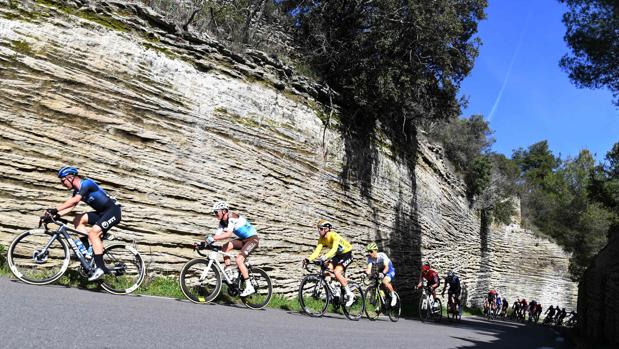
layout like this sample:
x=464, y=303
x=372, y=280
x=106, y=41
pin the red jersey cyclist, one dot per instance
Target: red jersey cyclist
x=431, y=276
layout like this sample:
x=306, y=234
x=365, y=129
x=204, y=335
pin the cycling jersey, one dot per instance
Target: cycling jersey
x=382, y=260
x=94, y=196
x=335, y=242
x=431, y=276
x=239, y=226
x=454, y=283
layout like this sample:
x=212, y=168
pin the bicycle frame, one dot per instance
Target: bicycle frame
x=63, y=231
x=212, y=257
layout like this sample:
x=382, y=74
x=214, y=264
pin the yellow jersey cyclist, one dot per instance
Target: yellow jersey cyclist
x=231, y=223
x=339, y=255
x=387, y=272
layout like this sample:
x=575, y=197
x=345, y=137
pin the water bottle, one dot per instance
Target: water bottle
x=80, y=246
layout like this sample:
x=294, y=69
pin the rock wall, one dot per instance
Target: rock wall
x=169, y=122
x=598, y=307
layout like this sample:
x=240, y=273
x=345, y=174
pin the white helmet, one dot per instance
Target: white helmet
x=220, y=205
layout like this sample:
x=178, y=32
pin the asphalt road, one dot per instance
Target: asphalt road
x=59, y=317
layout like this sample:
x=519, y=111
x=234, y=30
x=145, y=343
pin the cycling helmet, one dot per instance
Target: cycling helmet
x=220, y=205
x=324, y=223
x=67, y=170
x=371, y=247
x=450, y=275
x=425, y=267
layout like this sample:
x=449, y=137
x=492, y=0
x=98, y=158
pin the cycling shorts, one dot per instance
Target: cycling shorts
x=249, y=245
x=105, y=219
x=454, y=291
x=343, y=259
x=390, y=274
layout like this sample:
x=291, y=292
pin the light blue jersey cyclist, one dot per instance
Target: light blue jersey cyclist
x=385, y=267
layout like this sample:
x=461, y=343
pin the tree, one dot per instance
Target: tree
x=604, y=187
x=593, y=35
x=393, y=62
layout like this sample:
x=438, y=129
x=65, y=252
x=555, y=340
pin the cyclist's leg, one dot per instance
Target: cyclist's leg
x=388, y=284
x=247, y=246
x=80, y=221
x=339, y=275
x=229, y=246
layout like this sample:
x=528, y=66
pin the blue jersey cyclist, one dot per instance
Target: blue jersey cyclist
x=230, y=224
x=454, y=287
x=384, y=264
x=106, y=214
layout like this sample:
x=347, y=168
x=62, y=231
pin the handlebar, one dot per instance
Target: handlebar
x=201, y=246
x=56, y=219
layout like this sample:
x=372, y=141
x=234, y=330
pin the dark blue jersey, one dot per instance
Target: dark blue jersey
x=94, y=196
x=453, y=282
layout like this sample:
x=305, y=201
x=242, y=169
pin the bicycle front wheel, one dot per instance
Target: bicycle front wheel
x=437, y=310
x=356, y=309
x=126, y=267
x=264, y=290
x=373, y=303
x=313, y=296
x=38, y=258
x=199, y=282
x=395, y=311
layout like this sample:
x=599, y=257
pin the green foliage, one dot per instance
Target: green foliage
x=592, y=36
x=2, y=256
x=556, y=201
x=393, y=62
x=604, y=187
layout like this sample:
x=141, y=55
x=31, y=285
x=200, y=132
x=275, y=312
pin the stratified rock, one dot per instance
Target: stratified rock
x=169, y=122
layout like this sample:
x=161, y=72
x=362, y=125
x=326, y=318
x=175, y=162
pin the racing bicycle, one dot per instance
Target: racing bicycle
x=41, y=256
x=315, y=294
x=377, y=302
x=201, y=279
x=429, y=309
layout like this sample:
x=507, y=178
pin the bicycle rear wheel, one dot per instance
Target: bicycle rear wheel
x=199, y=283
x=437, y=310
x=395, y=311
x=126, y=267
x=424, y=309
x=36, y=257
x=356, y=309
x=264, y=290
x=313, y=295
x=373, y=305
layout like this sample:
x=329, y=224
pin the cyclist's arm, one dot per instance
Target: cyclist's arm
x=368, y=270
x=68, y=205
x=316, y=252
x=225, y=235
x=386, y=268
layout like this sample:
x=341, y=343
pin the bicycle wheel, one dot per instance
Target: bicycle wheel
x=126, y=267
x=36, y=257
x=199, y=283
x=424, y=309
x=356, y=309
x=313, y=295
x=373, y=304
x=264, y=290
x=395, y=311
x=437, y=310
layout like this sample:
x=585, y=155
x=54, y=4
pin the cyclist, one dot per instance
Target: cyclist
x=431, y=276
x=339, y=255
x=492, y=300
x=454, y=288
x=106, y=214
x=505, y=307
x=549, y=314
x=498, y=303
x=231, y=223
x=387, y=273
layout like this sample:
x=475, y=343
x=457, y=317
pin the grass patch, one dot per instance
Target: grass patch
x=21, y=47
x=163, y=50
x=161, y=286
x=4, y=268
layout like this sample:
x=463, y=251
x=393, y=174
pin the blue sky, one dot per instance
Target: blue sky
x=518, y=86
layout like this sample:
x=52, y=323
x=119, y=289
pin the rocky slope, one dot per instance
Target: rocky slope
x=169, y=122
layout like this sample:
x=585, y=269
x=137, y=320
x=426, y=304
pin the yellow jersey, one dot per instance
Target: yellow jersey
x=335, y=242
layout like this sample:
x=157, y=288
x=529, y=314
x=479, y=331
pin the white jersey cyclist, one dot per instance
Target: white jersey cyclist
x=382, y=260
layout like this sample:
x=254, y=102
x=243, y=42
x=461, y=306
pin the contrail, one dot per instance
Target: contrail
x=509, y=70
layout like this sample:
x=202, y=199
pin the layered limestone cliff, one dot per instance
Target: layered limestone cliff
x=169, y=122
